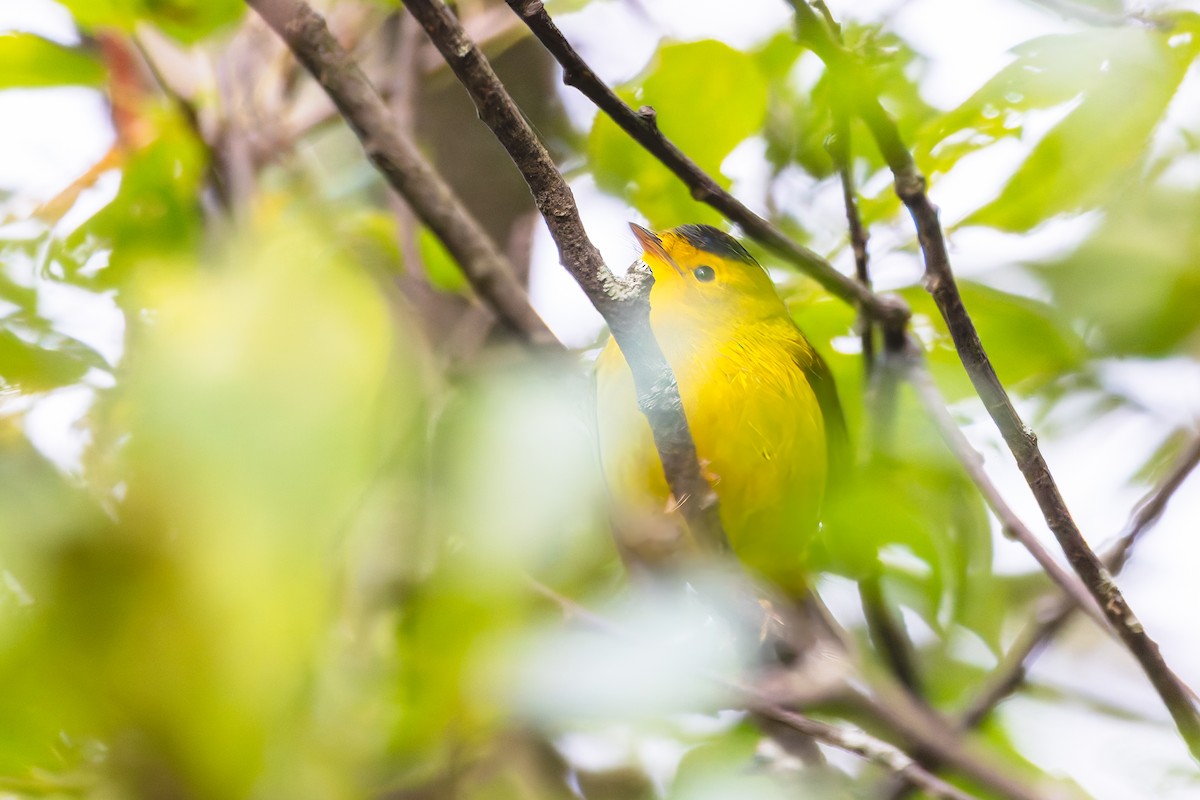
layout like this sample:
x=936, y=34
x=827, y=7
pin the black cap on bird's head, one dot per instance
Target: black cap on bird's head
x=701, y=265
x=704, y=238
x=715, y=241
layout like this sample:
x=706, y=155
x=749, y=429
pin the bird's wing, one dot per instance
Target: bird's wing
x=837, y=440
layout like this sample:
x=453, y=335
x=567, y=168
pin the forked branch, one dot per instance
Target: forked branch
x=402, y=165
x=814, y=32
x=625, y=308
x=640, y=125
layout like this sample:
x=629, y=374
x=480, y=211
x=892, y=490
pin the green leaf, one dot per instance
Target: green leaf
x=369, y=234
x=912, y=517
x=441, y=270
x=708, y=98
x=1118, y=82
x=47, y=361
x=185, y=20
x=1134, y=282
x=157, y=209
x=28, y=61
x=1029, y=342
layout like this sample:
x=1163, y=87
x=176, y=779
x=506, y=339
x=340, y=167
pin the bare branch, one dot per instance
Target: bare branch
x=1009, y=675
x=840, y=152
x=625, y=308
x=865, y=746
x=852, y=741
x=401, y=163
x=1014, y=528
x=1150, y=508
x=1021, y=441
x=1011, y=672
x=641, y=126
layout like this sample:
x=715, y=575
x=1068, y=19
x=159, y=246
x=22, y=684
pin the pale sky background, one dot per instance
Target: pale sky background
x=61, y=132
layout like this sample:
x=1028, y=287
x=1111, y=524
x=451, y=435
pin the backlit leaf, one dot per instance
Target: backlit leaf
x=29, y=61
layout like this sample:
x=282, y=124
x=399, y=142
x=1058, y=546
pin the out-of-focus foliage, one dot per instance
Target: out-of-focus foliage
x=186, y=20
x=30, y=61
x=308, y=530
x=708, y=98
x=1133, y=286
x=1030, y=343
x=1113, y=86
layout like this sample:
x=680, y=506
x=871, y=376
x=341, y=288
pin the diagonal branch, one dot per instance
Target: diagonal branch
x=1021, y=441
x=853, y=741
x=1009, y=675
x=640, y=125
x=935, y=406
x=625, y=307
x=401, y=163
x=1011, y=672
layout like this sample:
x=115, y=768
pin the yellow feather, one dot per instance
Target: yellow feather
x=745, y=376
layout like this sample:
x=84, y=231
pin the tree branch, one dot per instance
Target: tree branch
x=935, y=406
x=939, y=280
x=401, y=163
x=852, y=741
x=1008, y=676
x=1011, y=672
x=640, y=125
x=625, y=307
x=840, y=152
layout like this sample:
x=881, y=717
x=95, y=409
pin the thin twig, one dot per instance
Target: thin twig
x=863, y=745
x=641, y=126
x=852, y=741
x=935, y=406
x=888, y=634
x=939, y=280
x=401, y=163
x=1011, y=672
x=624, y=306
x=1150, y=508
x=840, y=152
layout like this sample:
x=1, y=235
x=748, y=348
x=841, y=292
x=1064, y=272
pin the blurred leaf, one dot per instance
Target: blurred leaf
x=441, y=270
x=514, y=491
x=724, y=767
x=28, y=61
x=800, y=117
x=777, y=56
x=43, y=361
x=1114, y=84
x=708, y=98
x=1029, y=342
x=185, y=20
x=157, y=209
x=370, y=236
x=913, y=517
x=670, y=643
x=261, y=399
x=1133, y=284
x=1164, y=457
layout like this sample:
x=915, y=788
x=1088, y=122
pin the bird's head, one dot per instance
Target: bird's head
x=703, y=271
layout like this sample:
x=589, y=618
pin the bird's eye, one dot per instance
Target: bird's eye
x=704, y=273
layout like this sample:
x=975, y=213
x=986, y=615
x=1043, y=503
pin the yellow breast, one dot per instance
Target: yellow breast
x=757, y=426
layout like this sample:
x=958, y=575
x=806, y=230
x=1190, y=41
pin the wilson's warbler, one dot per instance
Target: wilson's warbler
x=760, y=402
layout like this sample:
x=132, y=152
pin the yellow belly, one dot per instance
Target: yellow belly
x=758, y=431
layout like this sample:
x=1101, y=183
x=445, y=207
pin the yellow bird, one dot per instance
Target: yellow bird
x=761, y=404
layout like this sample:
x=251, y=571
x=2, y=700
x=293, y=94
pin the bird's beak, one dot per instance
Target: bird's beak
x=652, y=246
